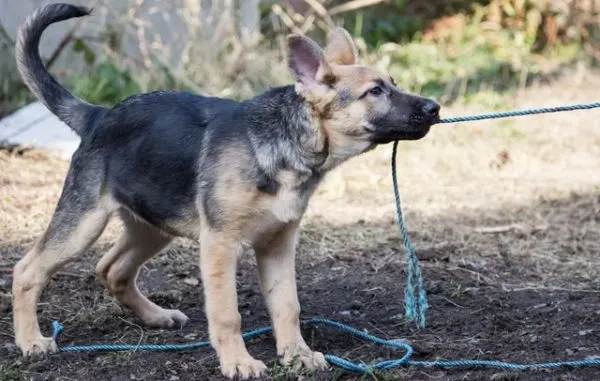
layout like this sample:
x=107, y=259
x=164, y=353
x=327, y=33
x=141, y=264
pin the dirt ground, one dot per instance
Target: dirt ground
x=504, y=215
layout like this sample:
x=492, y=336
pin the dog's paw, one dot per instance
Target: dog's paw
x=167, y=319
x=37, y=347
x=299, y=356
x=243, y=368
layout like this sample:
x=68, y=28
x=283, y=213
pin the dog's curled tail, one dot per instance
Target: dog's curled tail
x=71, y=110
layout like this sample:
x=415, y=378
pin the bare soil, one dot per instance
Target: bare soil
x=504, y=215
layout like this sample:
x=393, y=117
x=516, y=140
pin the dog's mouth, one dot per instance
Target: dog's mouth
x=383, y=137
x=415, y=129
x=420, y=120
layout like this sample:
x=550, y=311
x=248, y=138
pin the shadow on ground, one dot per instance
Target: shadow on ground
x=522, y=295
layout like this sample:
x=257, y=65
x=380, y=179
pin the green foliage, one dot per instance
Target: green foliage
x=449, y=49
x=105, y=85
x=13, y=94
x=88, y=54
x=287, y=373
x=400, y=20
x=386, y=23
x=11, y=372
x=463, y=58
x=465, y=49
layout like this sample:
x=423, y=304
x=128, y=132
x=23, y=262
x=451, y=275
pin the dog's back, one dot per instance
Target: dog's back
x=152, y=145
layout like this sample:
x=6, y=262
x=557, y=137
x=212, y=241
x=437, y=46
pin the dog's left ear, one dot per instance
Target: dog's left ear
x=340, y=48
x=307, y=62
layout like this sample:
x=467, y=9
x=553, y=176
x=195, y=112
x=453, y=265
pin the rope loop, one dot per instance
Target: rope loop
x=342, y=363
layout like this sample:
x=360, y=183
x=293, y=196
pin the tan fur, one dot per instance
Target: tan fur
x=235, y=196
x=343, y=128
x=287, y=205
x=218, y=261
x=340, y=48
x=345, y=134
x=34, y=270
x=119, y=268
x=275, y=258
x=249, y=212
x=253, y=219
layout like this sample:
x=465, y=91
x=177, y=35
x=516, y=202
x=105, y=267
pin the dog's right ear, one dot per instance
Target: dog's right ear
x=340, y=48
x=307, y=61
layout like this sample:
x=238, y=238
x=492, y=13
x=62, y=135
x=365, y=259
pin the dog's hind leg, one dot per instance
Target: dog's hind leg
x=119, y=268
x=80, y=217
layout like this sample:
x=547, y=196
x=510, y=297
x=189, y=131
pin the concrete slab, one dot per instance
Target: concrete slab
x=36, y=126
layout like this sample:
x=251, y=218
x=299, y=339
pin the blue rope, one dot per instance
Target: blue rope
x=414, y=309
x=533, y=111
x=339, y=362
x=416, y=306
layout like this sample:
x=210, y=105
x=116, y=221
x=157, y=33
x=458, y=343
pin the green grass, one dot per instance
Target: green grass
x=11, y=372
x=105, y=84
x=12, y=96
x=474, y=69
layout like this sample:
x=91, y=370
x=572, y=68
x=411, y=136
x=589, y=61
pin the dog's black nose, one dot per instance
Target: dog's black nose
x=431, y=108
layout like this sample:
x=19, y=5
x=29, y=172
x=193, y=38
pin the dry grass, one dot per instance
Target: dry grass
x=458, y=181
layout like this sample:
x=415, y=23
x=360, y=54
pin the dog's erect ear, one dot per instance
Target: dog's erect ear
x=306, y=60
x=340, y=48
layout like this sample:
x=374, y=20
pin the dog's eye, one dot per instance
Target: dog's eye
x=376, y=91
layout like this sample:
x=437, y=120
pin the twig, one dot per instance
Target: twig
x=287, y=20
x=185, y=80
x=143, y=46
x=66, y=39
x=87, y=37
x=453, y=303
x=6, y=36
x=497, y=229
x=544, y=288
x=308, y=23
x=506, y=228
x=352, y=6
x=318, y=7
x=141, y=333
x=321, y=11
x=480, y=277
x=63, y=44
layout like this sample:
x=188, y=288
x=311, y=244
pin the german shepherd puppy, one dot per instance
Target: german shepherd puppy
x=233, y=175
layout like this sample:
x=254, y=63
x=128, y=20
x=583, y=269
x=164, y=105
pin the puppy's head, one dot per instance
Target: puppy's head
x=358, y=106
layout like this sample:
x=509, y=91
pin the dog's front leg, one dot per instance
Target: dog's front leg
x=278, y=283
x=219, y=253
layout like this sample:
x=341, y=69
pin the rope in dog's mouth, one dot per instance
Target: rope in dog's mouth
x=415, y=296
x=524, y=112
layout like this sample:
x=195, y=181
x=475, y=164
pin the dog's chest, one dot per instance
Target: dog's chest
x=287, y=205
x=291, y=199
